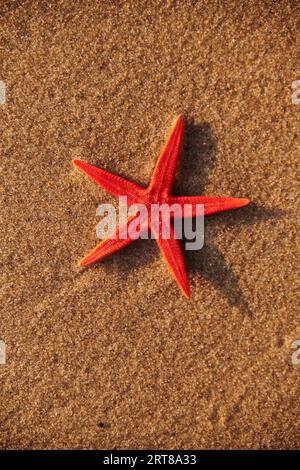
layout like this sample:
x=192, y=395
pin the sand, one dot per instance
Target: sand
x=114, y=356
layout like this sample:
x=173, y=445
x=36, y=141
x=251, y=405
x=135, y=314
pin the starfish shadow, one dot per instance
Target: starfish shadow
x=210, y=262
x=247, y=216
x=200, y=150
x=197, y=158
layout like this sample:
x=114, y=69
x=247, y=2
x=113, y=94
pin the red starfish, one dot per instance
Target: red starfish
x=158, y=192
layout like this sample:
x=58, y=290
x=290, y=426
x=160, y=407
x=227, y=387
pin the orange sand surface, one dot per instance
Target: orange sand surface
x=114, y=356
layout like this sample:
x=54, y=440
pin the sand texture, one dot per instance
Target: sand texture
x=114, y=356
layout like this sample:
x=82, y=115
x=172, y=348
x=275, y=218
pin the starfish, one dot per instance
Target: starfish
x=158, y=192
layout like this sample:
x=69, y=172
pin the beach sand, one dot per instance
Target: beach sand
x=114, y=356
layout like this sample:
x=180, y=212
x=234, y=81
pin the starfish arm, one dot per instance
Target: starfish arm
x=165, y=169
x=171, y=252
x=114, y=243
x=114, y=184
x=212, y=205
